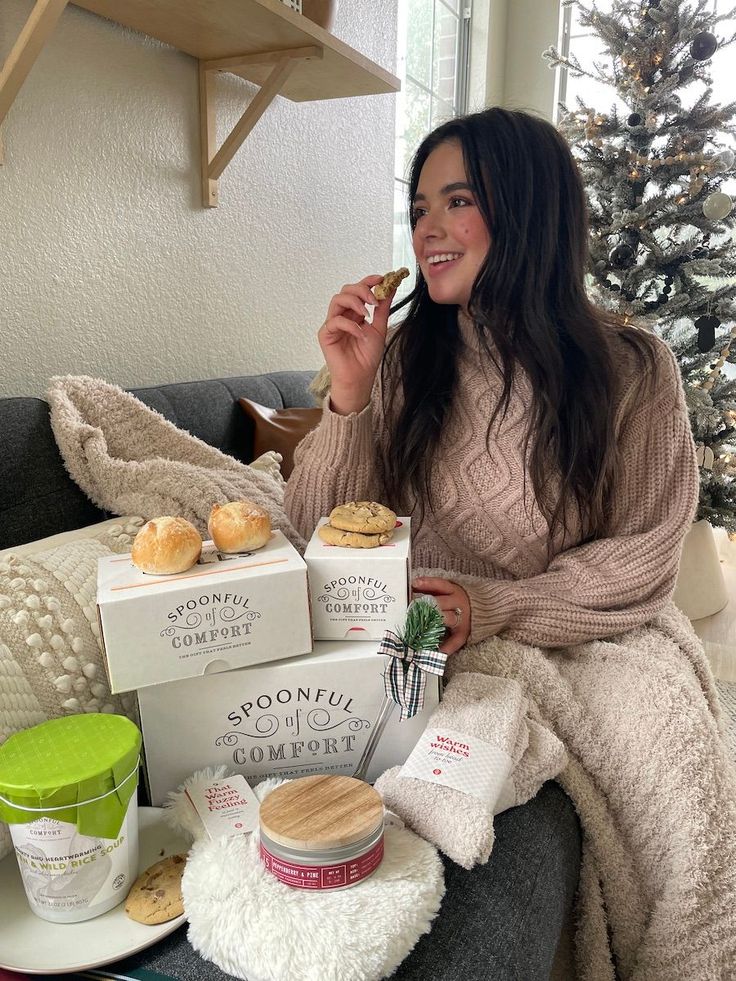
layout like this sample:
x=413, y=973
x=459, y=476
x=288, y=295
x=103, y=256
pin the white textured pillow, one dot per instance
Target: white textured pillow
x=51, y=662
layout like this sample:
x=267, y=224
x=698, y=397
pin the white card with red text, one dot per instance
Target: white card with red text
x=455, y=759
x=227, y=807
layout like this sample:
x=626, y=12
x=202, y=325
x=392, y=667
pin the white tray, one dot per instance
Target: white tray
x=35, y=946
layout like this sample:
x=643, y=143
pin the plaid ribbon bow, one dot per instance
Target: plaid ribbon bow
x=404, y=676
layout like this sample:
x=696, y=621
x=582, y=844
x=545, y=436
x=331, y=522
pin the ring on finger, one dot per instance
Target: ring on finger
x=458, y=617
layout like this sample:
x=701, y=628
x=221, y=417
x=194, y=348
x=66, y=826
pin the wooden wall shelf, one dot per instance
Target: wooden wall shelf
x=263, y=41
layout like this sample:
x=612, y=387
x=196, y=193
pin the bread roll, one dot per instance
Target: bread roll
x=240, y=526
x=166, y=545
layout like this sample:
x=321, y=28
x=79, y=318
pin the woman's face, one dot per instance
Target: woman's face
x=450, y=239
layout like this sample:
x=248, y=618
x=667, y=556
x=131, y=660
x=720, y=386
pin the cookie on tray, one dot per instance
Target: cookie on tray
x=364, y=517
x=351, y=539
x=155, y=896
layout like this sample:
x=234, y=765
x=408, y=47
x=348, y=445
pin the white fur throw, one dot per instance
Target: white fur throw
x=258, y=929
x=128, y=459
x=51, y=661
x=654, y=785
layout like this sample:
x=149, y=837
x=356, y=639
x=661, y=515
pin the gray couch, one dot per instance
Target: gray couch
x=501, y=921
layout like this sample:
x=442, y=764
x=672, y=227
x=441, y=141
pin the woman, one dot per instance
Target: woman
x=542, y=446
x=543, y=449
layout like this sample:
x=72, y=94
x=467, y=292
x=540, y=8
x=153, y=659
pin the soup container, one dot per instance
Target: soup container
x=322, y=832
x=67, y=790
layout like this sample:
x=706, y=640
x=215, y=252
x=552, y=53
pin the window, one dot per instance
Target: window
x=432, y=63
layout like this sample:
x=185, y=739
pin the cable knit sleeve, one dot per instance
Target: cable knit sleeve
x=336, y=462
x=619, y=582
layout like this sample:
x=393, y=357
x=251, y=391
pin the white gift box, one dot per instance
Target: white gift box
x=358, y=593
x=226, y=612
x=307, y=715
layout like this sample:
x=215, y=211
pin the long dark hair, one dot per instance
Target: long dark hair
x=530, y=309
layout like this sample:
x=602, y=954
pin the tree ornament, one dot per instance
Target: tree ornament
x=706, y=328
x=621, y=256
x=703, y=46
x=717, y=206
x=634, y=120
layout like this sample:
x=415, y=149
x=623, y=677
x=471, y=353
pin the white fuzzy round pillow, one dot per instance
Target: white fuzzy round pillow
x=256, y=928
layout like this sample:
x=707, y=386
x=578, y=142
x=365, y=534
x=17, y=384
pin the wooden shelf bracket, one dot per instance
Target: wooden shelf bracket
x=31, y=40
x=214, y=161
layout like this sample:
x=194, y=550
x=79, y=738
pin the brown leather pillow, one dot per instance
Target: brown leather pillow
x=279, y=429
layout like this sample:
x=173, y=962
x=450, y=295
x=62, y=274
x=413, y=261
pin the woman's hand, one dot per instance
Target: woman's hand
x=352, y=347
x=454, y=603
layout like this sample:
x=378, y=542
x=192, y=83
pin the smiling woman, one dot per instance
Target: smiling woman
x=528, y=433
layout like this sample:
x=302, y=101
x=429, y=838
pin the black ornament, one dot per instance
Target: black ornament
x=667, y=290
x=663, y=298
x=668, y=280
x=703, y=46
x=706, y=328
x=635, y=119
x=621, y=257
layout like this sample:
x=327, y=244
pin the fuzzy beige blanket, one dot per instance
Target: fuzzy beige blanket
x=654, y=786
x=129, y=459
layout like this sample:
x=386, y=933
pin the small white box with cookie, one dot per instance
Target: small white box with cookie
x=359, y=565
x=177, y=607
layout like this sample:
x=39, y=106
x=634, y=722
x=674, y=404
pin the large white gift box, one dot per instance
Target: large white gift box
x=357, y=594
x=311, y=714
x=227, y=612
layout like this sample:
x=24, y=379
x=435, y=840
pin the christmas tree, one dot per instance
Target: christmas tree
x=661, y=225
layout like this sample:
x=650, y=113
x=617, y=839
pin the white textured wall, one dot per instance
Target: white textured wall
x=108, y=264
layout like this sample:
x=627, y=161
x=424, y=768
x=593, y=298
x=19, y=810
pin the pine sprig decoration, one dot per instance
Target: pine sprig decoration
x=424, y=626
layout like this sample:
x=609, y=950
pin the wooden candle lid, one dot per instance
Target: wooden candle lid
x=321, y=812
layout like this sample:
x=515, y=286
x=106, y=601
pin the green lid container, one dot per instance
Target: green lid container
x=82, y=769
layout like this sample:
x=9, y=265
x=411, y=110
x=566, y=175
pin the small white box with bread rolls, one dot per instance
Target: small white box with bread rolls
x=358, y=592
x=224, y=611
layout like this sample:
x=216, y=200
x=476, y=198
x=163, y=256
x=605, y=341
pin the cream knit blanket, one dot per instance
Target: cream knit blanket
x=130, y=460
x=654, y=786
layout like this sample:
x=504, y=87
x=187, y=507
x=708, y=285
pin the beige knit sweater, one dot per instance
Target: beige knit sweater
x=487, y=531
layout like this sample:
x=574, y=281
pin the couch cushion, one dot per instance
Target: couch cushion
x=37, y=496
x=209, y=409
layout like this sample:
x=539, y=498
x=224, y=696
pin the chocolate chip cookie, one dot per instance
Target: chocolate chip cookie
x=156, y=894
x=364, y=517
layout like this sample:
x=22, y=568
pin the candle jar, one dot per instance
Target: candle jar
x=322, y=832
x=67, y=790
